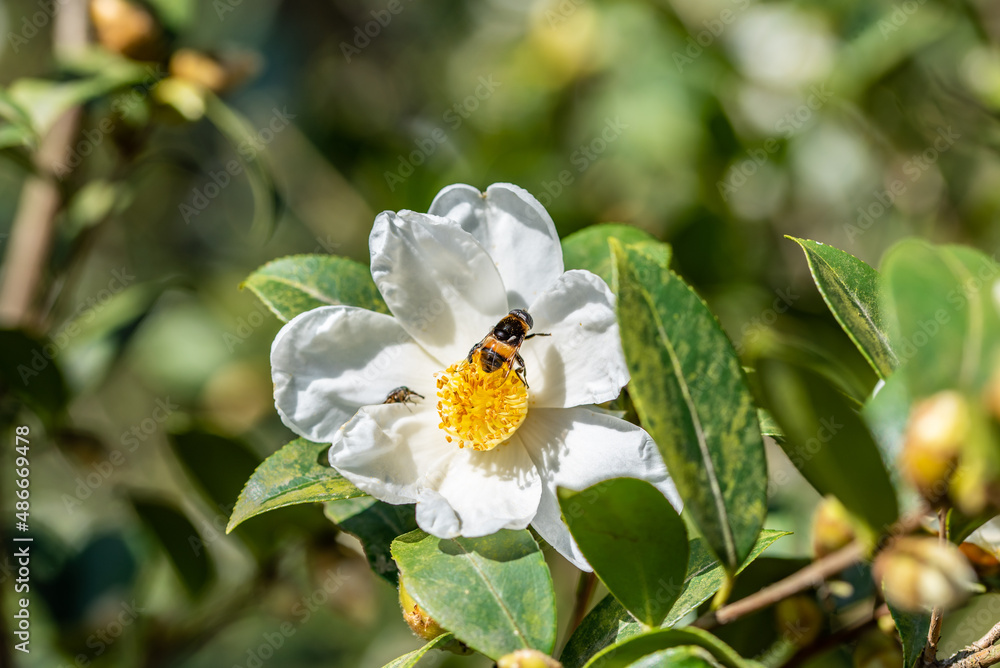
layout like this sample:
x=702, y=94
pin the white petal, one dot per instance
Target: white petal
x=576, y=448
x=437, y=280
x=328, y=362
x=514, y=228
x=392, y=451
x=582, y=362
x=987, y=537
x=403, y=457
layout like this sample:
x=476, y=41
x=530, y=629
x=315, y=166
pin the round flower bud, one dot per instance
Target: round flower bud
x=419, y=621
x=799, y=620
x=126, y=28
x=877, y=650
x=937, y=428
x=832, y=527
x=527, y=658
x=921, y=573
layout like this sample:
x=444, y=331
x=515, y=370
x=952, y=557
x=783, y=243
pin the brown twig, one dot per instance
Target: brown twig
x=934, y=630
x=980, y=659
x=810, y=576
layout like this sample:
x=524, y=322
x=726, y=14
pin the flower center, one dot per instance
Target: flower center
x=479, y=409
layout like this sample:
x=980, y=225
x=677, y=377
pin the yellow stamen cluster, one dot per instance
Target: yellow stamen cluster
x=478, y=409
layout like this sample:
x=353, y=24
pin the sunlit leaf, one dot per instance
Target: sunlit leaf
x=298, y=283
x=289, y=476
x=686, y=656
x=413, y=658
x=589, y=249
x=376, y=524
x=851, y=291
x=632, y=649
x=691, y=395
x=635, y=541
x=494, y=593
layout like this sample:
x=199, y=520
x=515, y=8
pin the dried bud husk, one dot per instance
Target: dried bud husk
x=126, y=28
x=215, y=73
x=921, y=573
x=419, y=621
x=527, y=658
x=937, y=429
x=800, y=620
x=833, y=527
x=877, y=650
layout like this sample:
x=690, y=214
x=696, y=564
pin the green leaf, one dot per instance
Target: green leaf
x=686, y=656
x=768, y=427
x=289, y=476
x=29, y=371
x=180, y=541
x=828, y=442
x=912, y=629
x=635, y=541
x=636, y=647
x=692, y=397
x=376, y=524
x=299, y=283
x=411, y=659
x=961, y=526
x=609, y=622
x=850, y=289
x=589, y=249
x=941, y=316
x=494, y=593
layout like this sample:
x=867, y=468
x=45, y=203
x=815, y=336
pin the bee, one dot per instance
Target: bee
x=401, y=395
x=500, y=347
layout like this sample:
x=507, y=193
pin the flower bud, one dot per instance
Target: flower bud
x=877, y=650
x=799, y=620
x=126, y=28
x=832, y=527
x=217, y=74
x=527, y=658
x=937, y=429
x=419, y=621
x=921, y=573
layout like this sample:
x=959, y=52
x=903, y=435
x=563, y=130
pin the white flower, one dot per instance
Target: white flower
x=448, y=277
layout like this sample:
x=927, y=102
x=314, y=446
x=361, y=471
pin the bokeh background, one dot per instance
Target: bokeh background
x=719, y=126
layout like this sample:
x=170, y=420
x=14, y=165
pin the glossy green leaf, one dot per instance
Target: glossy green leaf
x=941, y=317
x=376, y=524
x=299, y=283
x=635, y=541
x=413, y=658
x=850, y=288
x=687, y=656
x=609, y=622
x=494, y=593
x=289, y=476
x=828, y=442
x=768, y=427
x=692, y=397
x=628, y=651
x=180, y=541
x=589, y=249
x=961, y=526
x=912, y=629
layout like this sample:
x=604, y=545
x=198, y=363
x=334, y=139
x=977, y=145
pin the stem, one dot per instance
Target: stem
x=987, y=640
x=981, y=659
x=934, y=631
x=808, y=577
x=584, y=590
